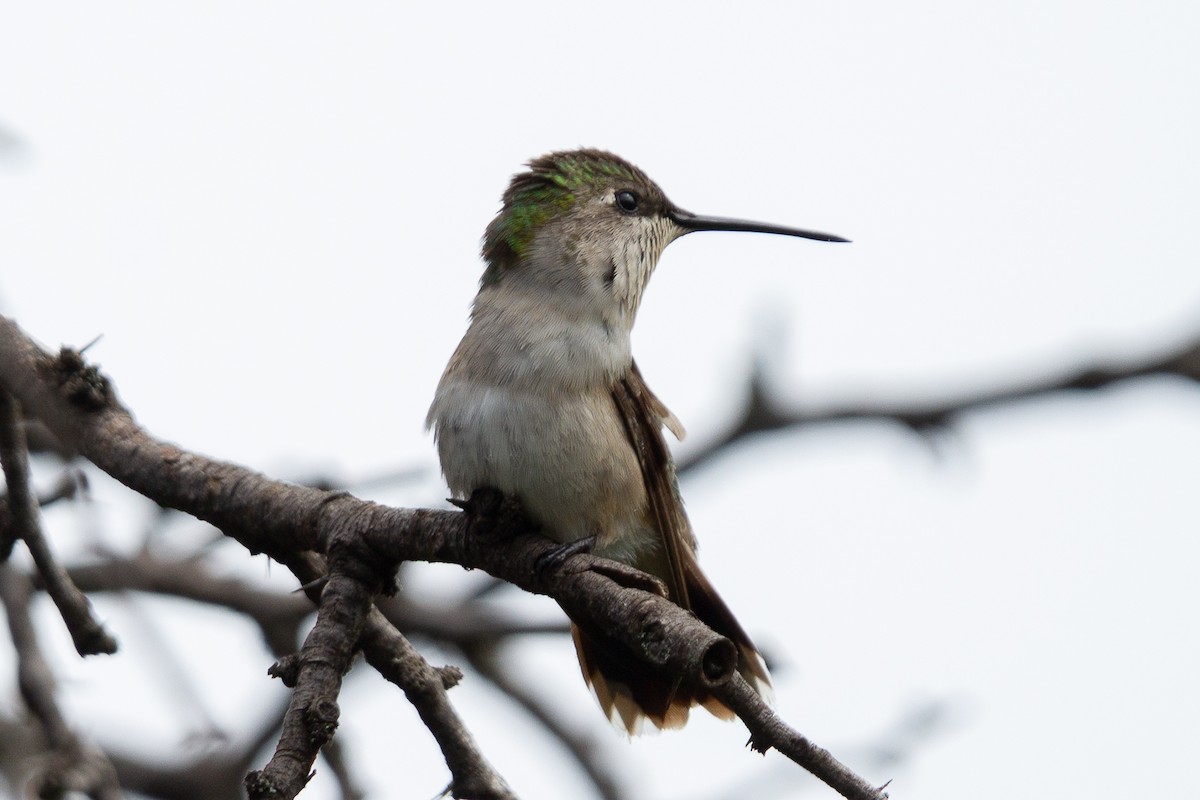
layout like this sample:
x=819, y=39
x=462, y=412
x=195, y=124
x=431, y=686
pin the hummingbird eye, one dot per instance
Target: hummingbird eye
x=627, y=201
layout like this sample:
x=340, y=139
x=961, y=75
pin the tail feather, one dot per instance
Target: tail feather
x=632, y=692
x=629, y=690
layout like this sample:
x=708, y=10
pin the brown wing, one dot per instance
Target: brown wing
x=629, y=690
x=643, y=415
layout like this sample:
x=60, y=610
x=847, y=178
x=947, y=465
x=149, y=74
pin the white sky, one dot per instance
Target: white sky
x=271, y=212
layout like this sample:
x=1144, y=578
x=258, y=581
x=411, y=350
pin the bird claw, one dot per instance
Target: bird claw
x=486, y=501
x=551, y=560
x=620, y=574
x=630, y=577
x=493, y=514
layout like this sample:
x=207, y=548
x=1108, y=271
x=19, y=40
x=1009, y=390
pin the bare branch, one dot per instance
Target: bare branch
x=278, y=616
x=73, y=765
x=465, y=623
x=89, y=635
x=70, y=483
x=763, y=413
x=335, y=758
x=316, y=674
x=425, y=686
x=215, y=776
x=768, y=731
x=582, y=747
x=365, y=541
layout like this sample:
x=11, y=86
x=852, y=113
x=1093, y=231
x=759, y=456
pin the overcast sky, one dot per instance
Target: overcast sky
x=272, y=213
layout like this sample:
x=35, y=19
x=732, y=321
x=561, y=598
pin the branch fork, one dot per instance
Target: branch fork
x=357, y=544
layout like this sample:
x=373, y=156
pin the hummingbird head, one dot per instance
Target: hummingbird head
x=590, y=222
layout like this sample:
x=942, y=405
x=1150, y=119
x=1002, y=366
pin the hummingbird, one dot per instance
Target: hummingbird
x=542, y=400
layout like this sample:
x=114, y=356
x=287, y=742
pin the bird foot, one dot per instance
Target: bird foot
x=551, y=560
x=493, y=514
x=630, y=577
x=615, y=571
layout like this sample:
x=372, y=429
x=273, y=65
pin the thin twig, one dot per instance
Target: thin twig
x=426, y=687
x=768, y=731
x=70, y=483
x=335, y=756
x=763, y=413
x=346, y=599
x=278, y=616
x=583, y=748
x=74, y=765
x=216, y=775
x=87, y=633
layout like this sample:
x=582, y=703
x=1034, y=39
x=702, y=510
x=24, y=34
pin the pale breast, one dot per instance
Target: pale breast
x=568, y=459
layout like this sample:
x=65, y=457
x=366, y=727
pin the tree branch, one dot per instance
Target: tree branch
x=763, y=413
x=390, y=653
x=69, y=484
x=214, y=776
x=316, y=674
x=768, y=731
x=278, y=616
x=582, y=748
x=89, y=636
x=363, y=541
x=74, y=765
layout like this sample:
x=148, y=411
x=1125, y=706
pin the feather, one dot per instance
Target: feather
x=629, y=690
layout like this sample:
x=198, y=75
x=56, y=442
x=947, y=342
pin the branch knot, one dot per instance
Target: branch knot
x=321, y=719
x=82, y=384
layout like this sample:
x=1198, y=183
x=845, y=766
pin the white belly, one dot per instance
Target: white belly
x=568, y=461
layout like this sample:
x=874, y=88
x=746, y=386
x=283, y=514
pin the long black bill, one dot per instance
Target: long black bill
x=696, y=222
